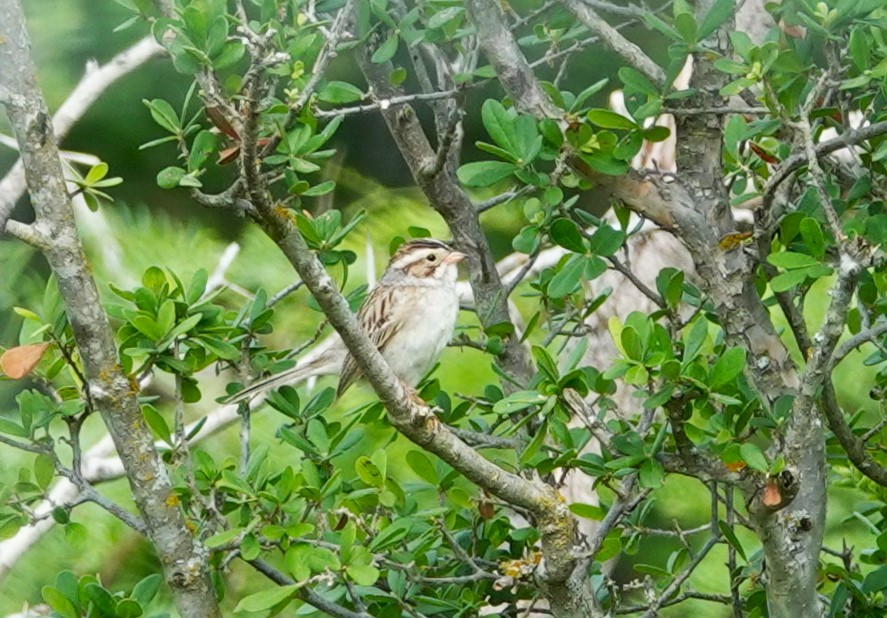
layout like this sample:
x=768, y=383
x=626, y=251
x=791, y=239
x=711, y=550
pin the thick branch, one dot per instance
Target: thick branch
x=632, y=54
x=516, y=76
x=94, y=83
x=512, y=69
x=847, y=139
x=111, y=390
x=447, y=197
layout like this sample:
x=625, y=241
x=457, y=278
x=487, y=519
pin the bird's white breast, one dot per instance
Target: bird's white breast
x=415, y=348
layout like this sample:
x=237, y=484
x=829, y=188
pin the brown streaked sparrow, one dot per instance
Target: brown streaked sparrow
x=410, y=316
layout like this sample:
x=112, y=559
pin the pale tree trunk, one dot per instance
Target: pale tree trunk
x=112, y=393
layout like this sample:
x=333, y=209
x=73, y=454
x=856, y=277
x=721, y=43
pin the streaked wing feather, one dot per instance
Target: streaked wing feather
x=378, y=318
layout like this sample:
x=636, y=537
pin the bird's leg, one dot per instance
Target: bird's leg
x=413, y=394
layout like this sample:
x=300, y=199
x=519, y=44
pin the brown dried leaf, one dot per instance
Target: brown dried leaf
x=18, y=362
x=763, y=154
x=228, y=155
x=217, y=117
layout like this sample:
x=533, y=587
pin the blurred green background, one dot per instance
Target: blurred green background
x=164, y=228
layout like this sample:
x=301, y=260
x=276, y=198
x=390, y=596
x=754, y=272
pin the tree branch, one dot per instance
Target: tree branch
x=91, y=86
x=630, y=52
x=305, y=594
x=848, y=139
x=446, y=197
x=113, y=393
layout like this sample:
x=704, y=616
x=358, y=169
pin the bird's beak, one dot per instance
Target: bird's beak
x=454, y=257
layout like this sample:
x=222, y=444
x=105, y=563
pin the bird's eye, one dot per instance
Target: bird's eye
x=431, y=258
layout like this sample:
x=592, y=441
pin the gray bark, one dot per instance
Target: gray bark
x=695, y=207
x=113, y=393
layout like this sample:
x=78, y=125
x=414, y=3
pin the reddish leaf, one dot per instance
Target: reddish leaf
x=218, y=119
x=763, y=154
x=19, y=362
x=228, y=155
x=485, y=508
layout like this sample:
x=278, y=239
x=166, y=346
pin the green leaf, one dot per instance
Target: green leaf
x=101, y=599
x=611, y=546
x=651, y=474
x=368, y=472
x=606, y=241
x=875, y=581
x=811, y=232
x=519, y=400
x=391, y=534
x=787, y=280
x=266, y=599
x=316, y=433
x=534, y=445
x=727, y=367
x=386, y=50
x=231, y=53
x=321, y=189
x=605, y=163
x=157, y=423
x=170, y=177
x=96, y=173
x=725, y=65
x=444, y=16
x=485, y=173
x=568, y=277
x=164, y=115
x=685, y=24
x=731, y=537
x=59, y=602
x=127, y=608
x=694, y=340
x=567, y=234
x=588, y=511
x=421, y=464
x=339, y=92
x=44, y=471
x=204, y=145
x=222, y=538
x=635, y=80
x=398, y=76
x=145, y=591
x=719, y=12
x=362, y=574
x=753, y=456
x=499, y=123
x=790, y=260
x=608, y=119
x=583, y=96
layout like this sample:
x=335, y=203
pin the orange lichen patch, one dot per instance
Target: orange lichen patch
x=522, y=567
x=18, y=362
x=731, y=241
x=282, y=211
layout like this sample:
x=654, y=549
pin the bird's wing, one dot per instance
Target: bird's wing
x=378, y=316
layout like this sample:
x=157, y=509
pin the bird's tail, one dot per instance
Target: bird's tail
x=328, y=362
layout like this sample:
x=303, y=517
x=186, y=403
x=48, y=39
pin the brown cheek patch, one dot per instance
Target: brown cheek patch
x=422, y=269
